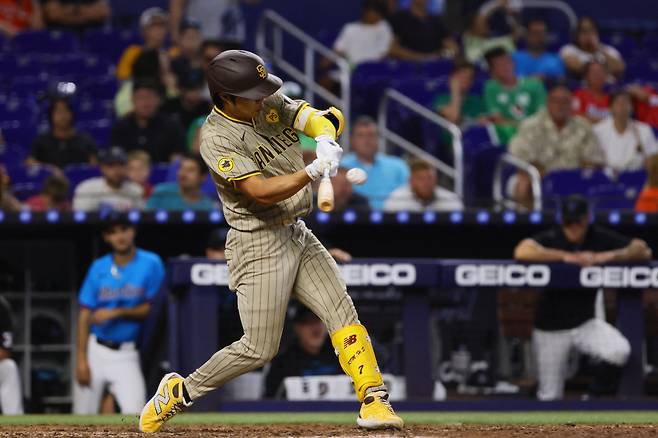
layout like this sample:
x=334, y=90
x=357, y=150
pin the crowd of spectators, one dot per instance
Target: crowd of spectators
x=162, y=100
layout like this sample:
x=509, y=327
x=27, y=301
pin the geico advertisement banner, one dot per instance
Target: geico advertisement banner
x=539, y=275
x=375, y=274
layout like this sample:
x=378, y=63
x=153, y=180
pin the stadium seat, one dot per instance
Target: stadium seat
x=12, y=154
x=101, y=87
x=160, y=173
x=35, y=174
x=92, y=110
x=109, y=43
x=29, y=85
x=613, y=196
x=18, y=133
x=99, y=130
x=23, y=191
x=23, y=110
x=44, y=41
x=633, y=180
x=79, y=172
x=560, y=183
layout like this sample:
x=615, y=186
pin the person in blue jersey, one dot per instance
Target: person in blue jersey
x=114, y=300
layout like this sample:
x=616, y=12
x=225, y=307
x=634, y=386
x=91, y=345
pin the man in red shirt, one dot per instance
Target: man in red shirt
x=592, y=100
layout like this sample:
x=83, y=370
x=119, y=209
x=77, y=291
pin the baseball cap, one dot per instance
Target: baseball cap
x=112, y=218
x=297, y=312
x=151, y=16
x=573, y=209
x=112, y=155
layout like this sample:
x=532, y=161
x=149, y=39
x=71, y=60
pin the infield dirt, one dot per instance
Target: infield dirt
x=326, y=430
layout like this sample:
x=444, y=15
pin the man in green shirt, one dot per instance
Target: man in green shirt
x=508, y=98
x=460, y=105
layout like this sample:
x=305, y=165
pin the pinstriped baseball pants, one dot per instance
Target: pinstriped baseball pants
x=266, y=267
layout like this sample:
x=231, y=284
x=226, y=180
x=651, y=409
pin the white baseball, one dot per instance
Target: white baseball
x=356, y=176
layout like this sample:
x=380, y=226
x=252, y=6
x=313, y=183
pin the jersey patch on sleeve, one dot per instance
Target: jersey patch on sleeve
x=272, y=116
x=225, y=164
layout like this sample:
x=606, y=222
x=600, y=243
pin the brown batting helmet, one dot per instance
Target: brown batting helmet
x=241, y=73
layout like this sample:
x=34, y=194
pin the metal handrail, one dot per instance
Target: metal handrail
x=561, y=6
x=456, y=172
x=535, y=181
x=307, y=76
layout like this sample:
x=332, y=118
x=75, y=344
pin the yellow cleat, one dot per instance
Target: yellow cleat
x=167, y=402
x=377, y=412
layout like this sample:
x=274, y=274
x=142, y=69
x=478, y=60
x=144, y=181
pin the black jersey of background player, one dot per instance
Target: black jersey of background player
x=568, y=308
x=6, y=331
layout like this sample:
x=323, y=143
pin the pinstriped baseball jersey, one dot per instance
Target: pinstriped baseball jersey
x=235, y=150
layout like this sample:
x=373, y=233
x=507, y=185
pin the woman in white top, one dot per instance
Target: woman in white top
x=627, y=143
x=588, y=48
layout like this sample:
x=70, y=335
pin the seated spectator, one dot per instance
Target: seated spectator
x=152, y=66
x=344, y=196
x=139, y=170
x=535, y=60
x=460, y=106
x=645, y=103
x=509, y=99
x=311, y=353
x=16, y=17
x=554, y=139
x=62, y=145
x=587, y=48
x=422, y=192
x=191, y=103
x=110, y=190
x=368, y=39
x=188, y=63
x=147, y=128
x=627, y=143
x=385, y=172
x=419, y=36
x=647, y=202
x=8, y=201
x=185, y=193
x=219, y=19
x=592, y=100
x=153, y=23
x=211, y=48
x=565, y=319
x=54, y=195
x=477, y=40
x=75, y=15
x=216, y=245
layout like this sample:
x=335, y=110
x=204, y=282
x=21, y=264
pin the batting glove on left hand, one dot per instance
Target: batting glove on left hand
x=328, y=150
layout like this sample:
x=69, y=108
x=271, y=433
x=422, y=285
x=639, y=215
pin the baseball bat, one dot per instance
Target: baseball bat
x=326, y=193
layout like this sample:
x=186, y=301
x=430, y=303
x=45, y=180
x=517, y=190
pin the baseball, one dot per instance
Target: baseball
x=357, y=176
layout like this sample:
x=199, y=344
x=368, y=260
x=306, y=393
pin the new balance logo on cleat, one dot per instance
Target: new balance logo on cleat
x=349, y=341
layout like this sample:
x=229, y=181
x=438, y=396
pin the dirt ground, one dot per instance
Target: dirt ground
x=323, y=430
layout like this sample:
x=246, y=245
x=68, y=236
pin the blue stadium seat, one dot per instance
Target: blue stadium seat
x=160, y=173
x=44, y=41
x=12, y=154
x=634, y=180
x=77, y=173
x=613, y=196
x=23, y=110
x=28, y=174
x=560, y=183
x=109, y=43
x=91, y=110
x=18, y=133
x=99, y=130
x=476, y=135
x=101, y=87
x=23, y=191
x=29, y=85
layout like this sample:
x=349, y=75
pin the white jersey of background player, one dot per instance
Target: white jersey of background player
x=11, y=399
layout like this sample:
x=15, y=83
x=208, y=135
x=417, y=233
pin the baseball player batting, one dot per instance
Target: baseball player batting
x=249, y=142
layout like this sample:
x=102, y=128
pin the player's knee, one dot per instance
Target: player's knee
x=618, y=352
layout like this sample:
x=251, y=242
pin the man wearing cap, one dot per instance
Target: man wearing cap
x=153, y=23
x=112, y=189
x=251, y=146
x=75, y=15
x=565, y=319
x=114, y=299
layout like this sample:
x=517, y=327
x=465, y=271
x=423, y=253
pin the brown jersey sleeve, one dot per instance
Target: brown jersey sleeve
x=228, y=158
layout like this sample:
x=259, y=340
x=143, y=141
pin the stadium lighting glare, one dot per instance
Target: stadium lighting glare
x=482, y=217
x=133, y=216
x=429, y=217
x=376, y=217
x=2, y=215
x=403, y=217
x=509, y=217
x=25, y=216
x=215, y=216
x=79, y=216
x=535, y=217
x=614, y=217
x=161, y=216
x=188, y=216
x=349, y=216
x=52, y=216
x=322, y=217
x=456, y=217
x=640, y=218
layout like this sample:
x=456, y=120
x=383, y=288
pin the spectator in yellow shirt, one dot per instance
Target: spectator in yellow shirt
x=153, y=23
